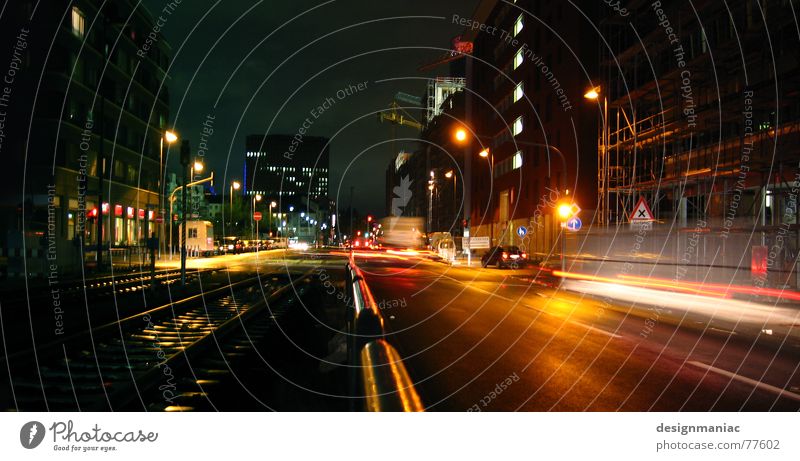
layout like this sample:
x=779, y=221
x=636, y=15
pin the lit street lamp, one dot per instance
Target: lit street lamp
x=594, y=95
x=170, y=137
x=256, y=198
x=235, y=185
x=272, y=205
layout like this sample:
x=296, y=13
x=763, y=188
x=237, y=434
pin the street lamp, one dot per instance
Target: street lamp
x=256, y=198
x=461, y=135
x=272, y=205
x=603, y=162
x=235, y=185
x=170, y=137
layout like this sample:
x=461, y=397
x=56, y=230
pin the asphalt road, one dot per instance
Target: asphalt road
x=490, y=340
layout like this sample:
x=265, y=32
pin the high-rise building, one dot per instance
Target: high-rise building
x=287, y=169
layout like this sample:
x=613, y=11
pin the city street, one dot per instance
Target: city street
x=463, y=332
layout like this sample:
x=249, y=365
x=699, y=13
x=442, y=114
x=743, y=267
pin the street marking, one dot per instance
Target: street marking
x=595, y=329
x=750, y=381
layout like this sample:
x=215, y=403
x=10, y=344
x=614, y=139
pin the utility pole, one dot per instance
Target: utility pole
x=351, y=211
x=185, y=154
x=101, y=159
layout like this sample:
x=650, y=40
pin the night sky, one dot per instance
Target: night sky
x=257, y=68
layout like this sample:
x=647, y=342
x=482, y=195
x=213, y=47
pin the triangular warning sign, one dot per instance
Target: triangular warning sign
x=641, y=212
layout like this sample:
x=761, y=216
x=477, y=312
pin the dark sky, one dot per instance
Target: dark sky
x=215, y=41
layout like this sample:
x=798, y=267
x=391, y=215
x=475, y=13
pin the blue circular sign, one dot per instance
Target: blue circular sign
x=574, y=224
x=522, y=231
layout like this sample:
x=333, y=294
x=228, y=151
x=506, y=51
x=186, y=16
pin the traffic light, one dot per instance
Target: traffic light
x=369, y=218
x=186, y=152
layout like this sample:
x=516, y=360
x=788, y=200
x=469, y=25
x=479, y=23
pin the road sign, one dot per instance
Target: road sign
x=641, y=212
x=257, y=216
x=159, y=219
x=474, y=243
x=574, y=223
x=522, y=231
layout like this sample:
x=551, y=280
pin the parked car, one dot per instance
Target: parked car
x=501, y=257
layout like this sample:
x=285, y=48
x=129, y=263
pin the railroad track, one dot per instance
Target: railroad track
x=132, y=363
x=104, y=286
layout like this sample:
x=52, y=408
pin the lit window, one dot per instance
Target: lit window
x=518, y=59
x=516, y=160
x=517, y=128
x=518, y=92
x=78, y=22
x=518, y=26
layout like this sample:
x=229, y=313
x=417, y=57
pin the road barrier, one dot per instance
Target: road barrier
x=376, y=370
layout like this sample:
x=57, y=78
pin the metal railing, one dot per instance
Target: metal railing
x=376, y=370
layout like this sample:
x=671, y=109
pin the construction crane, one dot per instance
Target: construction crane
x=395, y=115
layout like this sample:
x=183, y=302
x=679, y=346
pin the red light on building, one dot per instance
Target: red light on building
x=141, y=213
x=759, y=262
x=129, y=212
x=150, y=214
x=105, y=208
x=93, y=213
x=117, y=210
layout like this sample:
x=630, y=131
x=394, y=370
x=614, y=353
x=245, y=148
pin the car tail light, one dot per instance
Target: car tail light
x=505, y=255
x=358, y=243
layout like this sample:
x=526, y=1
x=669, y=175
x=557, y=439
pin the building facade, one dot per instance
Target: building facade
x=703, y=123
x=292, y=172
x=530, y=68
x=92, y=95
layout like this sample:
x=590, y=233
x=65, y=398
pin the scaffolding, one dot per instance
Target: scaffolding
x=677, y=134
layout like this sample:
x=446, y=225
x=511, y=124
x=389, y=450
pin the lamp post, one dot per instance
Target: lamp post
x=431, y=187
x=235, y=185
x=170, y=137
x=450, y=175
x=256, y=198
x=603, y=161
x=196, y=167
x=272, y=205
